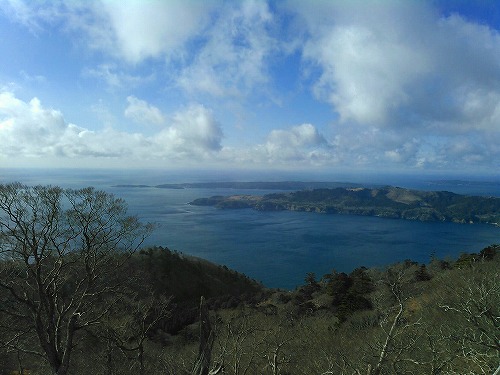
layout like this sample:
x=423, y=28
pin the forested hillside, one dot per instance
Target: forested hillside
x=439, y=318
x=390, y=202
x=79, y=295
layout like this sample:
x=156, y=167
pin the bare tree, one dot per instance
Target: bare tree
x=395, y=288
x=242, y=344
x=206, y=343
x=276, y=357
x=60, y=252
x=472, y=305
x=129, y=332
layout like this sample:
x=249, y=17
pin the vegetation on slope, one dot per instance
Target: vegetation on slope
x=440, y=318
x=76, y=298
x=390, y=202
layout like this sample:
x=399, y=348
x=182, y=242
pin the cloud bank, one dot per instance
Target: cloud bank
x=29, y=129
x=193, y=135
x=406, y=85
x=190, y=135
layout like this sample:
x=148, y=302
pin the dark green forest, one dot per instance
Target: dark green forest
x=79, y=294
x=388, y=202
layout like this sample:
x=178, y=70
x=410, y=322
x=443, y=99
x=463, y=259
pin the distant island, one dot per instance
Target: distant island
x=388, y=202
x=252, y=185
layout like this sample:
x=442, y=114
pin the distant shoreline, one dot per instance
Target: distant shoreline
x=252, y=185
x=296, y=185
x=388, y=202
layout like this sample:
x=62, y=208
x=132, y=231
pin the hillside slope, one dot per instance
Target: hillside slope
x=439, y=318
x=390, y=202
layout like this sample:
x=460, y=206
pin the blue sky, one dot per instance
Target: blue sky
x=325, y=85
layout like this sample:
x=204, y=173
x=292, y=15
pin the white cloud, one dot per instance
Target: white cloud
x=365, y=78
x=232, y=59
x=396, y=64
x=215, y=47
x=404, y=154
x=130, y=30
x=193, y=135
x=23, y=125
x=410, y=87
x=481, y=109
x=194, y=131
x=305, y=135
x=154, y=29
x=142, y=112
x=27, y=129
x=301, y=143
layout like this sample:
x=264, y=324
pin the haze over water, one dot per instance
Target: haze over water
x=279, y=248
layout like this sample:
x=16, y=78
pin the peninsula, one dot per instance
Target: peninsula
x=252, y=185
x=389, y=202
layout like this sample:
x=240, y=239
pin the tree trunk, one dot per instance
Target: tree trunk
x=202, y=364
x=383, y=354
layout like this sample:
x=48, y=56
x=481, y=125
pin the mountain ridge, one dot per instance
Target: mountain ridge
x=387, y=201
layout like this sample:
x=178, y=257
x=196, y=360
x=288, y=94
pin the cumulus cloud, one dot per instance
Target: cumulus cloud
x=408, y=86
x=153, y=29
x=394, y=64
x=404, y=153
x=136, y=31
x=305, y=135
x=28, y=129
x=301, y=143
x=142, y=112
x=130, y=30
x=194, y=131
x=193, y=135
x=217, y=48
x=25, y=124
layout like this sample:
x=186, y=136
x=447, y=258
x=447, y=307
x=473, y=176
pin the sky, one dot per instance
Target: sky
x=308, y=85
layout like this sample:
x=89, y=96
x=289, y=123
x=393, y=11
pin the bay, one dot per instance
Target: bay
x=279, y=248
x=276, y=248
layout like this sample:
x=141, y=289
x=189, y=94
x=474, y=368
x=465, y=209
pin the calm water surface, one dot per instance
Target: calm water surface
x=277, y=248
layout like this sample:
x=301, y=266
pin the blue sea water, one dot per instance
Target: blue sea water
x=278, y=248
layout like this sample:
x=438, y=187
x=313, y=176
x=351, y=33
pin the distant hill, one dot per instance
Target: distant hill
x=389, y=202
x=257, y=185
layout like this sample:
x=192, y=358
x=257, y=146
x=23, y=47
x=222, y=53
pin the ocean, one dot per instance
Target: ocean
x=279, y=248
